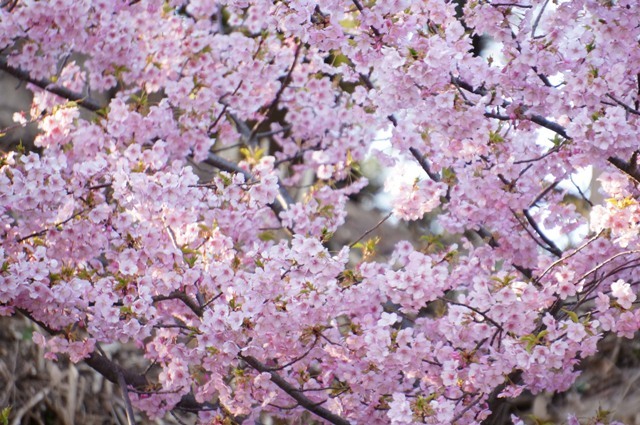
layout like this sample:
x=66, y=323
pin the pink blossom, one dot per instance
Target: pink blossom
x=623, y=293
x=400, y=410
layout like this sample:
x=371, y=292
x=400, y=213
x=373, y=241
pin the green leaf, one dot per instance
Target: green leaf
x=4, y=415
x=572, y=315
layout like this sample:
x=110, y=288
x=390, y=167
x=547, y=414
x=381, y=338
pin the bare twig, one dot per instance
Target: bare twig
x=44, y=231
x=297, y=359
x=285, y=83
x=587, y=200
x=365, y=234
x=566, y=257
x=524, y=6
x=544, y=193
x=537, y=20
x=467, y=408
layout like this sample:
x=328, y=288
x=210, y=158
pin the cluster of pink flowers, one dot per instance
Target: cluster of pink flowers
x=137, y=219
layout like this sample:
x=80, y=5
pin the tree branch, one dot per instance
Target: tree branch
x=551, y=246
x=283, y=200
x=629, y=168
x=626, y=107
x=84, y=101
x=424, y=164
x=296, y=394
x=113, y=371
x=188, y=301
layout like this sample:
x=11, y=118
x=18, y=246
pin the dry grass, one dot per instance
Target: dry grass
x=42, y=392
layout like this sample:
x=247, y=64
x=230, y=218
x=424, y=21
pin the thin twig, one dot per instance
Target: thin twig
x=566, y=257
x=368, y=232
x=626, y=107
x=44, y=231
x=544, y=193
x=466, y=409
x=297, y=359
x=537, y=20
x=587, y=200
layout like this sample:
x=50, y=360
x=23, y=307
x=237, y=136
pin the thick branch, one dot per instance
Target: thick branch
x=424, y=164
x=629, y=168
x=297, y=395
x=84, y=101
x=551, y=246
x=186, y=299
x=113, y=371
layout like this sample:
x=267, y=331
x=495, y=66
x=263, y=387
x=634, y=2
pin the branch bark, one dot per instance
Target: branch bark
x=84, y=101
x=113, y=372
x=297, y=395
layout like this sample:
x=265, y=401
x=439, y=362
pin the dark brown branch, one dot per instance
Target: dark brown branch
x=537, y=20
x=543, y=156
x=544, y=193
x=188, y=301
x=475, y=310
x=626, y=107
x=424, y=164
x=283, y=201
x=551, y=246
x=112, y=371
x=543, y=122
x=629, y=168
x=467, y=408
x=285, y=83
x=524, y=6
x=480, y=91
x=499, y=407
x=574, y=252
x=44, y=231
x=297, y=359
x=580, y=192
x=297, y=395
x=537, y=119
x=361, y=10
x=84, y=101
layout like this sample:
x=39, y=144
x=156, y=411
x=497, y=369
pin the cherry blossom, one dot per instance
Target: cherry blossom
x=194, y=165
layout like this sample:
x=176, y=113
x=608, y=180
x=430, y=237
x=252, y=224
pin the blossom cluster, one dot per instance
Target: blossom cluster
x=192, y=211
